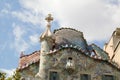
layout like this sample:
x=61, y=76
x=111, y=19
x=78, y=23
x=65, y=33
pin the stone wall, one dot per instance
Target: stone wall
x=83, y=64
x=29, y=72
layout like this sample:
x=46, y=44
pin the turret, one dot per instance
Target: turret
x=46, y=40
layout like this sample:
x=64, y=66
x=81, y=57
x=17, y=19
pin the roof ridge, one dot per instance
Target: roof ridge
x=29, y=54
x=104, y=53
x=99, y=47
x=66, y=28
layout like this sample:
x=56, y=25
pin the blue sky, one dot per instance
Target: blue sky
x=22, y=22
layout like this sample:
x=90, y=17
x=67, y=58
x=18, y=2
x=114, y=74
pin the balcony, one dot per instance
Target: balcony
x=70, y=65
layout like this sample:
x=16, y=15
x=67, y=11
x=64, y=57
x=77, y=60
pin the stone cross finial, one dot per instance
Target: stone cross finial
x=48, y=30
x=49, y=18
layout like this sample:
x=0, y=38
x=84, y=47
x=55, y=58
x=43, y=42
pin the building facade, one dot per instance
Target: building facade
x=113, y=46
x=65, y=55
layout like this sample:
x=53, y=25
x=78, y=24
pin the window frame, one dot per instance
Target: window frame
x=52, y=70
x=114, y=77
x=86, y=74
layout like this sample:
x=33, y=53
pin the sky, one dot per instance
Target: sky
x=23, y=21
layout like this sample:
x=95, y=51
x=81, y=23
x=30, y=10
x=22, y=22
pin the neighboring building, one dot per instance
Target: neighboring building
x=113, y=46
x=65, y=55
x=29, y=65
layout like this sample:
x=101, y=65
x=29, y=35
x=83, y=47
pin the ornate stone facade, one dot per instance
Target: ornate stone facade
x=113, y=46
x=65, y=55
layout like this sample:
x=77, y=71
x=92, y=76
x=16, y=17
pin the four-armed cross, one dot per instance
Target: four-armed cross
x=49, y=18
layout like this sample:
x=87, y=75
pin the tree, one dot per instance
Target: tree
x=9, y=78
x=16, y=75
x=2, y=76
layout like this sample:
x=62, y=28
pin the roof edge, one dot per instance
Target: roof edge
x=66, y=28
x=29, y=54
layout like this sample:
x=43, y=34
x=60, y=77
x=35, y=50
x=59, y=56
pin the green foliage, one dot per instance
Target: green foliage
x=16, y=75
x=2, y=76
x=9, y=78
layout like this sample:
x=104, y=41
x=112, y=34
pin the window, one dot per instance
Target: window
x=54, y=75
x=70, y=63
x=108, y=77
x=69, y=58
x=85, y=77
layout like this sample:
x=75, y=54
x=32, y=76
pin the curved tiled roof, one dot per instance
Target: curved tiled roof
x=100, y=52
x=69, y=36
x=26, y=60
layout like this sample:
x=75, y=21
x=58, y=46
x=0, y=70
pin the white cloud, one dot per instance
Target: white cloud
x=116, y=16
x=27, y=16
x=18, y=32
x=8, y=72
x=34, y=39
x=19, y=43
x=3, y=47
x=6, y=9
x=96, y=18
x=24, y=39
x=8, y=6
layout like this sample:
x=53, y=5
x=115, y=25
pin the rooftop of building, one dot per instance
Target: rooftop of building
x=67, y=38
x=26, y=60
